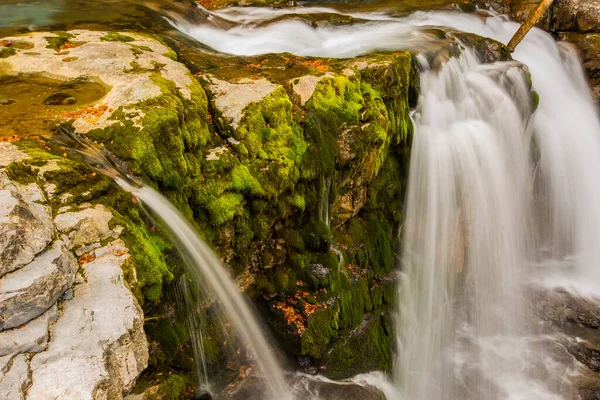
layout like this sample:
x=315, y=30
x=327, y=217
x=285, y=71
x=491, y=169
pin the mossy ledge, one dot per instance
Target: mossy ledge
x=300, y=194
x=289, y=190
x=302, y=200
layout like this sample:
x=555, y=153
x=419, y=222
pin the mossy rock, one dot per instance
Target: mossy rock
x=367, y=348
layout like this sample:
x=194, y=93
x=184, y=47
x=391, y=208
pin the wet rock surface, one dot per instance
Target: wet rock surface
x=572, y=321
x=304, y=387
x=573, y=21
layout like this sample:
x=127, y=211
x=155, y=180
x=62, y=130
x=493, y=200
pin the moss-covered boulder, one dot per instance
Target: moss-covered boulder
x=322, y=154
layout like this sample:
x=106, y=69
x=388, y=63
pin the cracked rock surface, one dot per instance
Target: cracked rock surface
x=87, y=345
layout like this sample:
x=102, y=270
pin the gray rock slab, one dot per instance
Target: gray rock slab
x=98, y=346
x=32, y=338
x=28, y=292
x=26, y=226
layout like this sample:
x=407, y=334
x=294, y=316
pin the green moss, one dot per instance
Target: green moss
x=6, y=52
x=320, y=329
x=167, y=149
x=74, y=182
x=293, y=240
x=160, y=387
x=243, y=181
x=317, y=236
x=299, y=201
x=20, y=172
x=275, y=144
x=171, y=338
x=353, y=304
x=136, y=68
x=535, y=99
x=223, y=208
x=19, y=44
x=368, y=348
x=116, y=37
x=58, y=41
x=170, y=53
x=138, y=50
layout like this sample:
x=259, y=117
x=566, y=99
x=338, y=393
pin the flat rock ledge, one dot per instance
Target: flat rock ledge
x=68, y=329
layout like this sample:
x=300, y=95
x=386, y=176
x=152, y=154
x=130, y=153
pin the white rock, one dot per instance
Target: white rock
x=98, y=346
x=32, y=338
x=9, y=153
x=15, y=379
x=86, y=226
x=231, y=98
x=215, y=154
x=26, y=226
x=305, y=86
x=28, y=292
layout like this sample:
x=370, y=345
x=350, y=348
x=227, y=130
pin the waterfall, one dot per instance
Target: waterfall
x=466, y=224
x=500, y=194
x=194, y=324
x=204, y=266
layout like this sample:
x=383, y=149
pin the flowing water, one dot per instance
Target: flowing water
x=496, y=190
x=204, y=266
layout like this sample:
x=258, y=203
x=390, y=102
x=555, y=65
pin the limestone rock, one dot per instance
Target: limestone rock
x=305, y=86
x=87, y=344
x=15, y=378
x=564, y=13
x=231, y=98
x=588, y=16
x=10, y=153
x=109, y=350
x=124, y=62
x=31, y=290
x=25, y=225
x=86, y=226
x=32, y=338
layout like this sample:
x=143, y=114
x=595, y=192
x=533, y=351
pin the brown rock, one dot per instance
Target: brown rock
x=589, y=46
x=588, y=16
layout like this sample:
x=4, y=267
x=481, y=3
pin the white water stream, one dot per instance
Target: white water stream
x=205, y=267
x=496, y=191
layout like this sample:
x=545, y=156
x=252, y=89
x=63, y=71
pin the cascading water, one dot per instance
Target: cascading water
x=204, y=265
x=466, y=227
x=495, y=190
x=194, y=324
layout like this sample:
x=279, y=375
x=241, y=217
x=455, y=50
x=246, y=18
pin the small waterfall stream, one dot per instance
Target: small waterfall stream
x=204, y=266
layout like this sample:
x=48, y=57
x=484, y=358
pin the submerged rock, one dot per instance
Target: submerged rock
x=571, y=322
x=60, y=99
